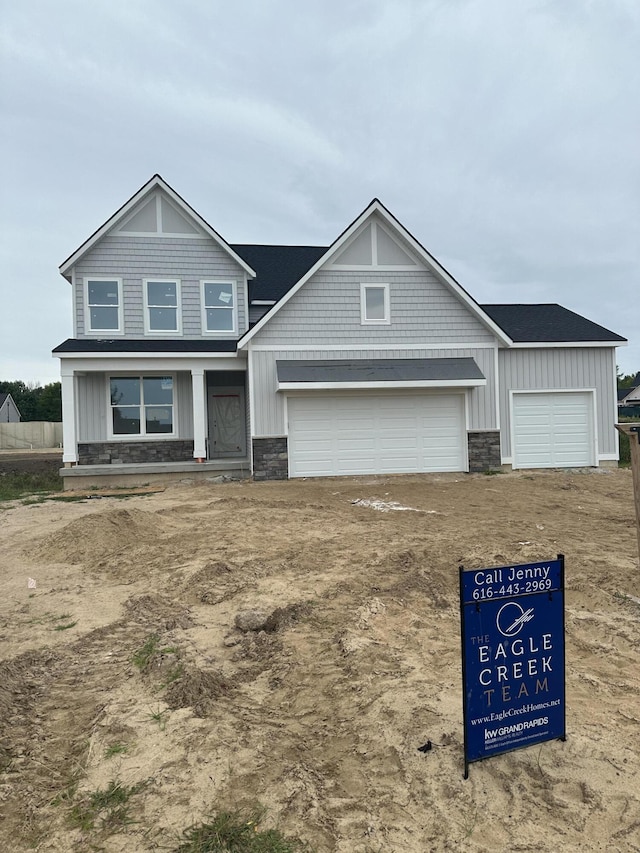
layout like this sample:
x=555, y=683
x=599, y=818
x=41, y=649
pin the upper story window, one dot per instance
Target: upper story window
x=104, y=305
x=374, y=304
x=141, y=405
x=162, y=306
x=219, y=309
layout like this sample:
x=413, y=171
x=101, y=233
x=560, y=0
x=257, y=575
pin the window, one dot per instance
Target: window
x=374, y=304
x=141, y=405
x=104, y=300
x=162, y=306
x=219, y=306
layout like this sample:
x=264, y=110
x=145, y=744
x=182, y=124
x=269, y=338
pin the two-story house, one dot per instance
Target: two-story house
x=192, y=356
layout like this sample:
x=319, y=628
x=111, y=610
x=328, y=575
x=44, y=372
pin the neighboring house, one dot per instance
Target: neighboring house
x=629, y=398
x=9, y=412
x=193, y=356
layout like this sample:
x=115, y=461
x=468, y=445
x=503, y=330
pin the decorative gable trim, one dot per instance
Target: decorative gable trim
x=391, y=223
x=373, y=247
x=130, y=206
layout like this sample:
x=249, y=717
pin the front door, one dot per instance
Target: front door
x=227, y=422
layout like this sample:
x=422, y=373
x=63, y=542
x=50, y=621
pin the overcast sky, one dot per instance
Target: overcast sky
x=504, y=134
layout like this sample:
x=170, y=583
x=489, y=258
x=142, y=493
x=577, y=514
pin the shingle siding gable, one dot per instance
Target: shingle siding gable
x=326, y=310
x=135, y=258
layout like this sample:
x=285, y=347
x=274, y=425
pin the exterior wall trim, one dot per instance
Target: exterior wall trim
x=367, y=347
x=566, y=344
x=383, y=385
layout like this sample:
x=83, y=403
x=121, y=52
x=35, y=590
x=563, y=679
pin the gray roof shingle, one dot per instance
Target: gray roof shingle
x=547, y=323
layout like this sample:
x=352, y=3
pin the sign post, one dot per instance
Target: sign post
x=513, y=662
x=633, y=432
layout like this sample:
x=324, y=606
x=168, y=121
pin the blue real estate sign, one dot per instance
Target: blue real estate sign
x=512, y=657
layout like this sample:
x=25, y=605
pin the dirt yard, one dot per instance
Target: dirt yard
x=123, y=665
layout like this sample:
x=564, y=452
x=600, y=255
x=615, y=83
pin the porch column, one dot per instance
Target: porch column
x=199, y=414
x=69, y=434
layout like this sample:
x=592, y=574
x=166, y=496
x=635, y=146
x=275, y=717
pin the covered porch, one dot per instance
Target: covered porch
x=136, y=420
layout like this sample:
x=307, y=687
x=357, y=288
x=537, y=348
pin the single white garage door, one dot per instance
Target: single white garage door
x=375, y=433
x=553, y=430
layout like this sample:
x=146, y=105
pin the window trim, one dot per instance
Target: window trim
x=142, y=435
x=162, y=333
x=364, y=320
x=105, y=333
x=219, y=333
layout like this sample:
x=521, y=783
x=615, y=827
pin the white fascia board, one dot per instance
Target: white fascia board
x=168, y=362
x=377, y=208
x=567, y=344
x=149, y=356
x=387, y=385
x=156, y=182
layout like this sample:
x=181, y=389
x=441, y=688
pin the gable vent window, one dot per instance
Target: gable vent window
x=162, y=304
x=374, y=304
x=219, y=307
x=141, y=405
x=104, y=300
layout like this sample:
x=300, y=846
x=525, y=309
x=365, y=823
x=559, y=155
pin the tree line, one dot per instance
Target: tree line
x=627, y=380
x=35, y=402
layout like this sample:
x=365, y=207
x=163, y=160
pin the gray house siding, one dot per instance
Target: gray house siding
x=561, y=369
x=268, y=404
x=135, y=258
x=326, y=310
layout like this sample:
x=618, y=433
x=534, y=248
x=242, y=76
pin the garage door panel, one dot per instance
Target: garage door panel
x=553, y=429
x=376, y=433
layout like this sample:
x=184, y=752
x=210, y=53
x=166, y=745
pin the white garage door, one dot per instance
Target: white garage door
x=553, y=430
x=384, y=433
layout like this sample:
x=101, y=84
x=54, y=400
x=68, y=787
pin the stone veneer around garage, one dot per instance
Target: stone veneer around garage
x=484, y=451
x=270, y=459
x=128, y=452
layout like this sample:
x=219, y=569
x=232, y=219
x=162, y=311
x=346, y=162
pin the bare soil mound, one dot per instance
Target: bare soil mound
x=125, y=668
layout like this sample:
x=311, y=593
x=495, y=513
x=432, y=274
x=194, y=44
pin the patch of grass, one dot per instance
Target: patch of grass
x=492, y=472
x=160, y=717
x=237, y=832
x=174, y=674
x=66, y=626
x=142, y=658
x=67, y=793
x=19, y=484
x=630, y=602
x=115, y=749
x=109, y=807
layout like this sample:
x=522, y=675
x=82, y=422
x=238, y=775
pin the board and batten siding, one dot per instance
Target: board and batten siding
x=268, y=404
x=570, y=369
x=93, y=397
x=326, y=310
x=135, y=258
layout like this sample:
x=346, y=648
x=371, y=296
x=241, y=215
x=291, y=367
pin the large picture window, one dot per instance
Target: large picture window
x=104, y=301
x=162, y=305
x=219, y=306
x=141, y=405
